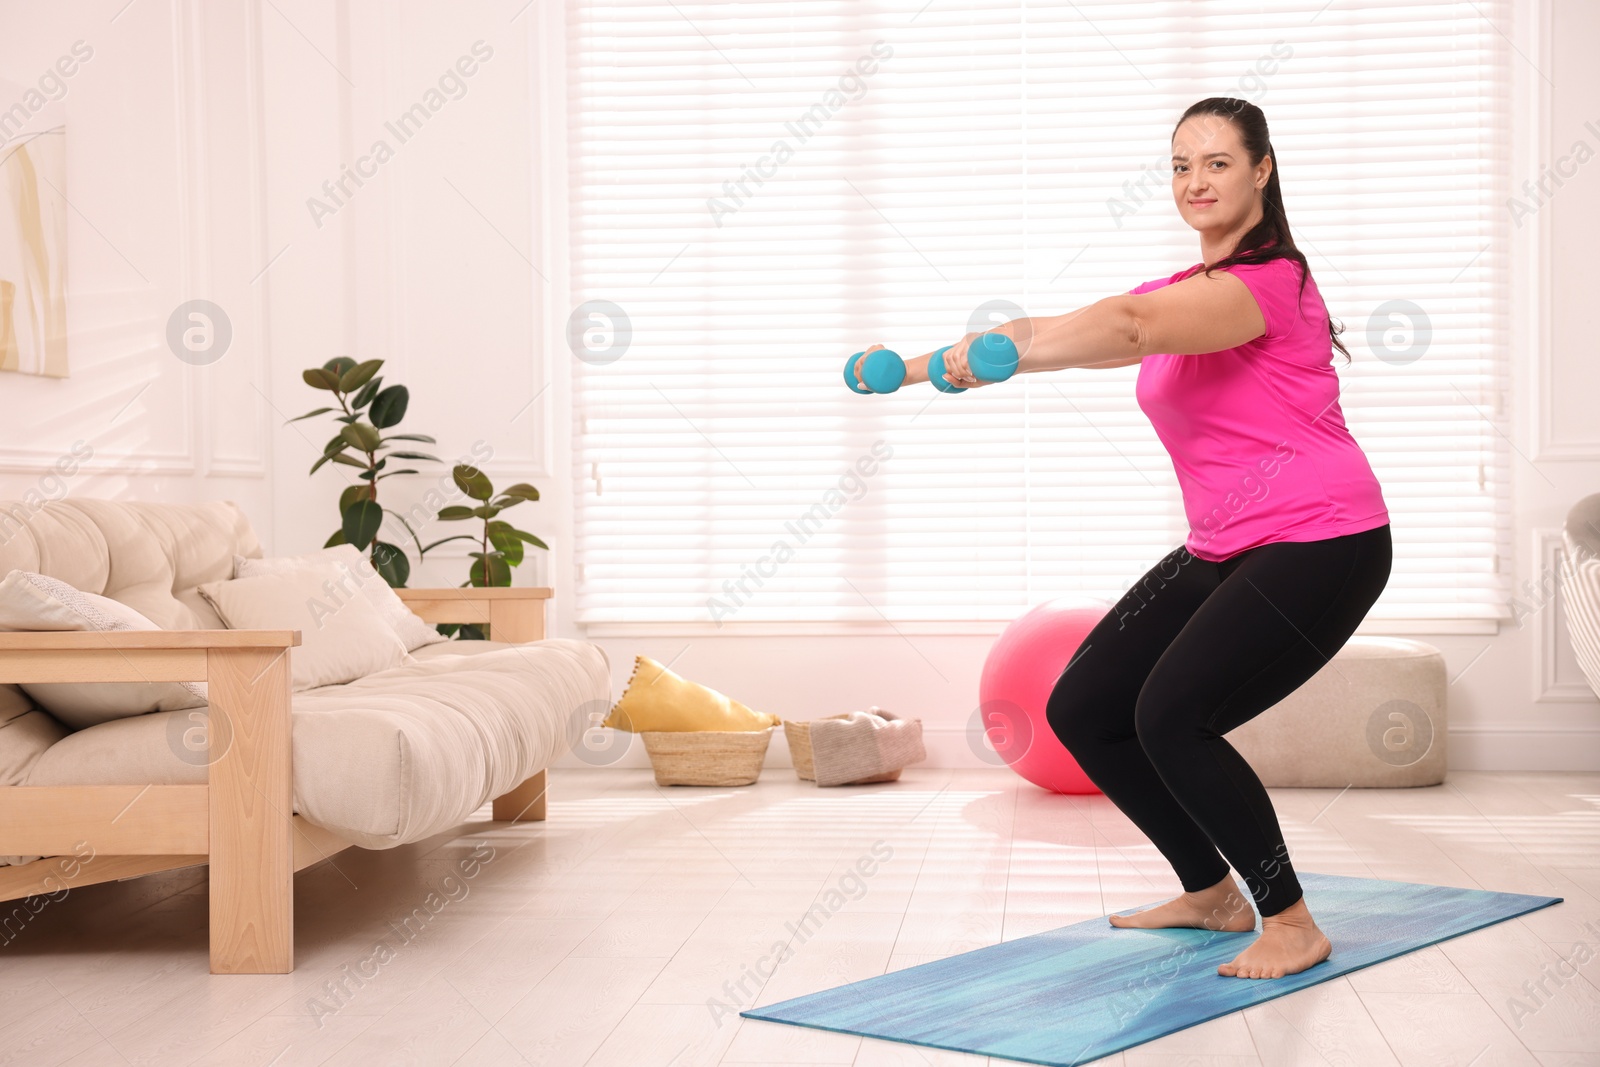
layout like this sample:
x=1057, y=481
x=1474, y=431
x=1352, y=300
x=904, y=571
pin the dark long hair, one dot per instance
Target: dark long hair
x=1269, y=239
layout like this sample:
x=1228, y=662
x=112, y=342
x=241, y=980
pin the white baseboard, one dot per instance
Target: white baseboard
x=1471, y=748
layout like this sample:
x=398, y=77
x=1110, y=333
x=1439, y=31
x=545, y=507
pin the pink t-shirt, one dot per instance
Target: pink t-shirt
x=1256, y=436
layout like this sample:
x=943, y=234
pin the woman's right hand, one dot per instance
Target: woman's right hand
x=956, y=370
x=862, y=363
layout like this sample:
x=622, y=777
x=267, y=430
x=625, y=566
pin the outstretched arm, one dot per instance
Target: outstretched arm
x=1196, y=315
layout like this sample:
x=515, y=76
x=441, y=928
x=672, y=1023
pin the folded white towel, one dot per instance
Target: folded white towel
x=864, y=744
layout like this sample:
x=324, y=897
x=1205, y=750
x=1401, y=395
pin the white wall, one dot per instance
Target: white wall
x=198, y=132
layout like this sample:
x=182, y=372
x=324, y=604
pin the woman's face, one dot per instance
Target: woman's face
x=1213, y=184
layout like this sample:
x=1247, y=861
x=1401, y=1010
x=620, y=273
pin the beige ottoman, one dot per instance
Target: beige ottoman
x=1374, y=716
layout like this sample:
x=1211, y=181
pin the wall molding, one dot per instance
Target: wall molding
x=143, y=463
x=136, y=333
x=138, y=321
x=1535, y=26
x=198, y=274
x=1525, y=730
x=388, y=30
x=260, y=465
x=193, y=200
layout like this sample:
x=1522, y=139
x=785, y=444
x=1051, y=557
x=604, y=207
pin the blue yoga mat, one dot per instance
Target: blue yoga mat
x=1075, y=994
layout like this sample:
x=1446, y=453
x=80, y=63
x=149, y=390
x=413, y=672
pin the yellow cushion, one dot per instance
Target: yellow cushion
x=657, y=699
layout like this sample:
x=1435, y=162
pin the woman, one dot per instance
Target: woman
x=1288, y=543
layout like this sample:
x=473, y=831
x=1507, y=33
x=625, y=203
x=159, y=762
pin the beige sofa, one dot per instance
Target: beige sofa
x=389, y=758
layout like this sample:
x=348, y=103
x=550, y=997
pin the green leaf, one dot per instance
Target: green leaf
x=509, y=544
x=389, y=406
x=424, y=438
x=359, y=375
x=486, y=511
x=307, y=415
x=391, y=474
x=360, y=435
x=336, y=443
x=415, y=455
x=499, y=529
x=532, y=540
x=336, y=539
x=522, y=491
x=318, y=378
x=498, y=573
x=352, y=494
x=455, y=511
x=361, y=521
x=348, y=460
x=338, y=365
x=391, y=562
x=368, y=391
x=318, y=463
x=472, y=482
x=456, y=537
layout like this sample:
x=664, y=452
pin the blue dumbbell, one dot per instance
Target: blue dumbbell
x=882, y=373
x=992, y=357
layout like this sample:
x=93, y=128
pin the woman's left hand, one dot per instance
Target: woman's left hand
x=956, y=370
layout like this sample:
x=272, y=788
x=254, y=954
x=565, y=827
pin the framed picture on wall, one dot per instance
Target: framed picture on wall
x=33, y=234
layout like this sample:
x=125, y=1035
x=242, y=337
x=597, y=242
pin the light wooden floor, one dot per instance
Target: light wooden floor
x=599, y=936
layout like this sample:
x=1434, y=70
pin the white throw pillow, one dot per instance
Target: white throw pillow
x=342, y=636
x=411, y=629
x=30, y=601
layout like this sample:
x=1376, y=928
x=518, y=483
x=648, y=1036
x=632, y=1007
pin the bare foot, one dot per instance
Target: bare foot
x=1289, y=943
x=1222, y=907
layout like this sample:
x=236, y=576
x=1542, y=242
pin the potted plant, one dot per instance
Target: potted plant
x=500, y=545
x=367, y=409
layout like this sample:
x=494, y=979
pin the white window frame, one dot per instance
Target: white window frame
x=1527, y=323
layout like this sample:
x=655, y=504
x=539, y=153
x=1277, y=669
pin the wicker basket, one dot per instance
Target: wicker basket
x=799, y=736
x=707, y=757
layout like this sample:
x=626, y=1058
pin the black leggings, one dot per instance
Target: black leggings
x=1189, y=652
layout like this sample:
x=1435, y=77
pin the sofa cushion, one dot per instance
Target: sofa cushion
x=393, y=757
x=656, y=698
x=458, y=647
x=412, y=631
x=150, y=557
x=31, y=601
x=26, y=733
x=146, y=749
x=342, y=636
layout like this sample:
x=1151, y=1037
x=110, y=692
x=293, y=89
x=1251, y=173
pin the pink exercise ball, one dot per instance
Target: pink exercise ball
x=1018, y=676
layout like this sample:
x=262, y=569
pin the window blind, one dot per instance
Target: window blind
x=756, y=190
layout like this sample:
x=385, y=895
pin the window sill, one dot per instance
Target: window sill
x=1371, y=627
